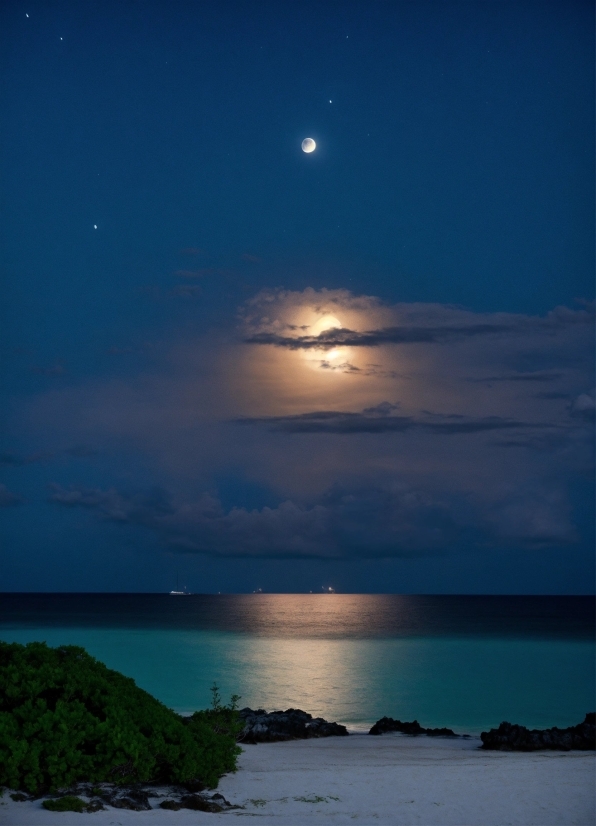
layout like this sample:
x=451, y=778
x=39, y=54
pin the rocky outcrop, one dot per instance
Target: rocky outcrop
x=510, y=737
x=293, y=724
x=138, y=796
x=387, y=724
x=135, y=799
x=198, y=803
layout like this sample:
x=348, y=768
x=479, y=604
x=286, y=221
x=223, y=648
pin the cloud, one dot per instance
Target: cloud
x=343, y=337
x=8, y=498
x=537, y=519
x=270, y=313
x=383, y=521
x=252, y=259
x=450, y=444
x=584, y=406
x=534, y=375
x=380, y=420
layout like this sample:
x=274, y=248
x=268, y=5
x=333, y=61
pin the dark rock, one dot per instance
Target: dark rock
x=199, y=804
x=293, y=724
x=221, y=801
x=19, y=797
x=95, y=806
x=172, y=805
x=510, y=737
x=135, y=799
x=215, y=803
x=387, y=724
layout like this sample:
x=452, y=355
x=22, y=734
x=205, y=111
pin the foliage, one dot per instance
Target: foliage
x=221, y=719
x=68, y=803
x=66, y=717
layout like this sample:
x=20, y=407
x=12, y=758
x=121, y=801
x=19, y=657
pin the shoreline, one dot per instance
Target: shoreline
x=393, y=778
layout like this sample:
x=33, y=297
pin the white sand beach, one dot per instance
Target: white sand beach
x=392, y=779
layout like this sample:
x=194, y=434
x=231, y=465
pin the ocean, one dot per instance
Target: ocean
x=466, y=662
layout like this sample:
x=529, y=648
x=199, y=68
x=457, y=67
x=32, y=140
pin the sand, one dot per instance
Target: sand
x=392, y=779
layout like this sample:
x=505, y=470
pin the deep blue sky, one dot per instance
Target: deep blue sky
x=454, y=169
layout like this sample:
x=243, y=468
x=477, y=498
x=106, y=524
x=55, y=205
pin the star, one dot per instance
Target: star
x=94, y=226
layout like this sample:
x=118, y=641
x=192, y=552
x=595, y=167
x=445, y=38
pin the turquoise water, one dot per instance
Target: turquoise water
x=467, y=682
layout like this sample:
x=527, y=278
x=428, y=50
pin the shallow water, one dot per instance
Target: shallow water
x=463, y=662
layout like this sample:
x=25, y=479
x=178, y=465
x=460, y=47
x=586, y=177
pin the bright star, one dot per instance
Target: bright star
x=94, y=226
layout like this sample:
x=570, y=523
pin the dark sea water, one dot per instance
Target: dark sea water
x=467, y=662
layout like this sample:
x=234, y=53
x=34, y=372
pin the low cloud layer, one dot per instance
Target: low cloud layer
x=360, y=429
x=377, y=420
x=341, y=337
x=380, y=521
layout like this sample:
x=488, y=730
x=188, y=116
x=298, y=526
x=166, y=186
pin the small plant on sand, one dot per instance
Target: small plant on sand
x=221, y=719
x=68, y=803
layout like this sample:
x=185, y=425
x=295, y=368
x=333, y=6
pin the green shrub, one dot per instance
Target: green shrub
x=68, y=803
x=220, y=718
x=66, y=717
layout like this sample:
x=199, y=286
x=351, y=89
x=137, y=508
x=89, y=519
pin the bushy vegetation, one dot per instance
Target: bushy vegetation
x=65, y=717
x=222, y=719
x=68, y=803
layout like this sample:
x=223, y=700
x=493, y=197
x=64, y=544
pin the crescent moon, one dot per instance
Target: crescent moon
x=308, y=145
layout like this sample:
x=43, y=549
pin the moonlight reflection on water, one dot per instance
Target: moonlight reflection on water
x=462, y=662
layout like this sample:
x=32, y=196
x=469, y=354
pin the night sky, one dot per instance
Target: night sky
x=370, y=367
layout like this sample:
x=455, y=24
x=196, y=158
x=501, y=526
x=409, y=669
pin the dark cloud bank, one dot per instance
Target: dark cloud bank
x=384, y=520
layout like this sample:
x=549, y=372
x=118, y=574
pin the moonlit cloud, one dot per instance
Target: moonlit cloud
x=376, y=430
x=329, y=421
